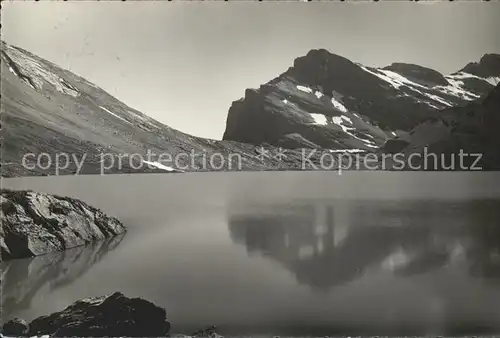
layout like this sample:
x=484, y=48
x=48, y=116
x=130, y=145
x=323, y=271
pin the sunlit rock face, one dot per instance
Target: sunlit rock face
x=35, y=223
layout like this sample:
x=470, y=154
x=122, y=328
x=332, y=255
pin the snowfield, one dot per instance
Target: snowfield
x=319, y=119
x=338, y=105
x=304, y=89
x=110, y=112
x=160, y=166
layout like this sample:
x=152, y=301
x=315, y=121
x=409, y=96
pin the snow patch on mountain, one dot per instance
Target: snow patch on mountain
x=493, y=80
x=319, y=119
x=464, y=75
x=339, y=120
x=110, y=112
x=159, y=166
x=352, y=151
x=436, y=98
x=382, y=74
x=455, y=88
x=339, y=105
x=456, y=85
x=304, y=89
x=397, y=81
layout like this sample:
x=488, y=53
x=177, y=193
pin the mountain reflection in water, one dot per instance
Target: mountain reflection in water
x=406, y=238
x=290, y=254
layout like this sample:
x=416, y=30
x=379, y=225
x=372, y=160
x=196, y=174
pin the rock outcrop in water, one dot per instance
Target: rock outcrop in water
x=36, y=223
x=107, y=316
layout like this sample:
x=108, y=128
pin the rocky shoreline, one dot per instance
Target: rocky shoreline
x=36, y=223
x=113, y=315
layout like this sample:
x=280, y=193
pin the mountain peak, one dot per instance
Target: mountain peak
x=320, y=67
x=320, y=56
x=334, y=103
x=488, y=66
x=490, y=58
x=318, y=51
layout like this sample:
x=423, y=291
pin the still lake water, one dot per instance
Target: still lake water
x=283, y=253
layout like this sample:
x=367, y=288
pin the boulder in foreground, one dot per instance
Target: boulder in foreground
x=36, y=223
x=107, y=316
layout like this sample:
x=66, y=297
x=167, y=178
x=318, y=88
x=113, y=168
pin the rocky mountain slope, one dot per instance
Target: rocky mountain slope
x=470, y=130
x=328, y=101
x=37, y=223
x=323, y=102
x=46, y=109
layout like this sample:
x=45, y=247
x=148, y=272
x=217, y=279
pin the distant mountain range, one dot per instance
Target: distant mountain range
x=324, y=102
x=332, y=102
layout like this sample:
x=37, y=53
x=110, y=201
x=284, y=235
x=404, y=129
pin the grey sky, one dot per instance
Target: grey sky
x=183, y=63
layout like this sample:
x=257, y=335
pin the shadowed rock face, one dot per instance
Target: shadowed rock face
x=105, y=316
x=35, y=223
